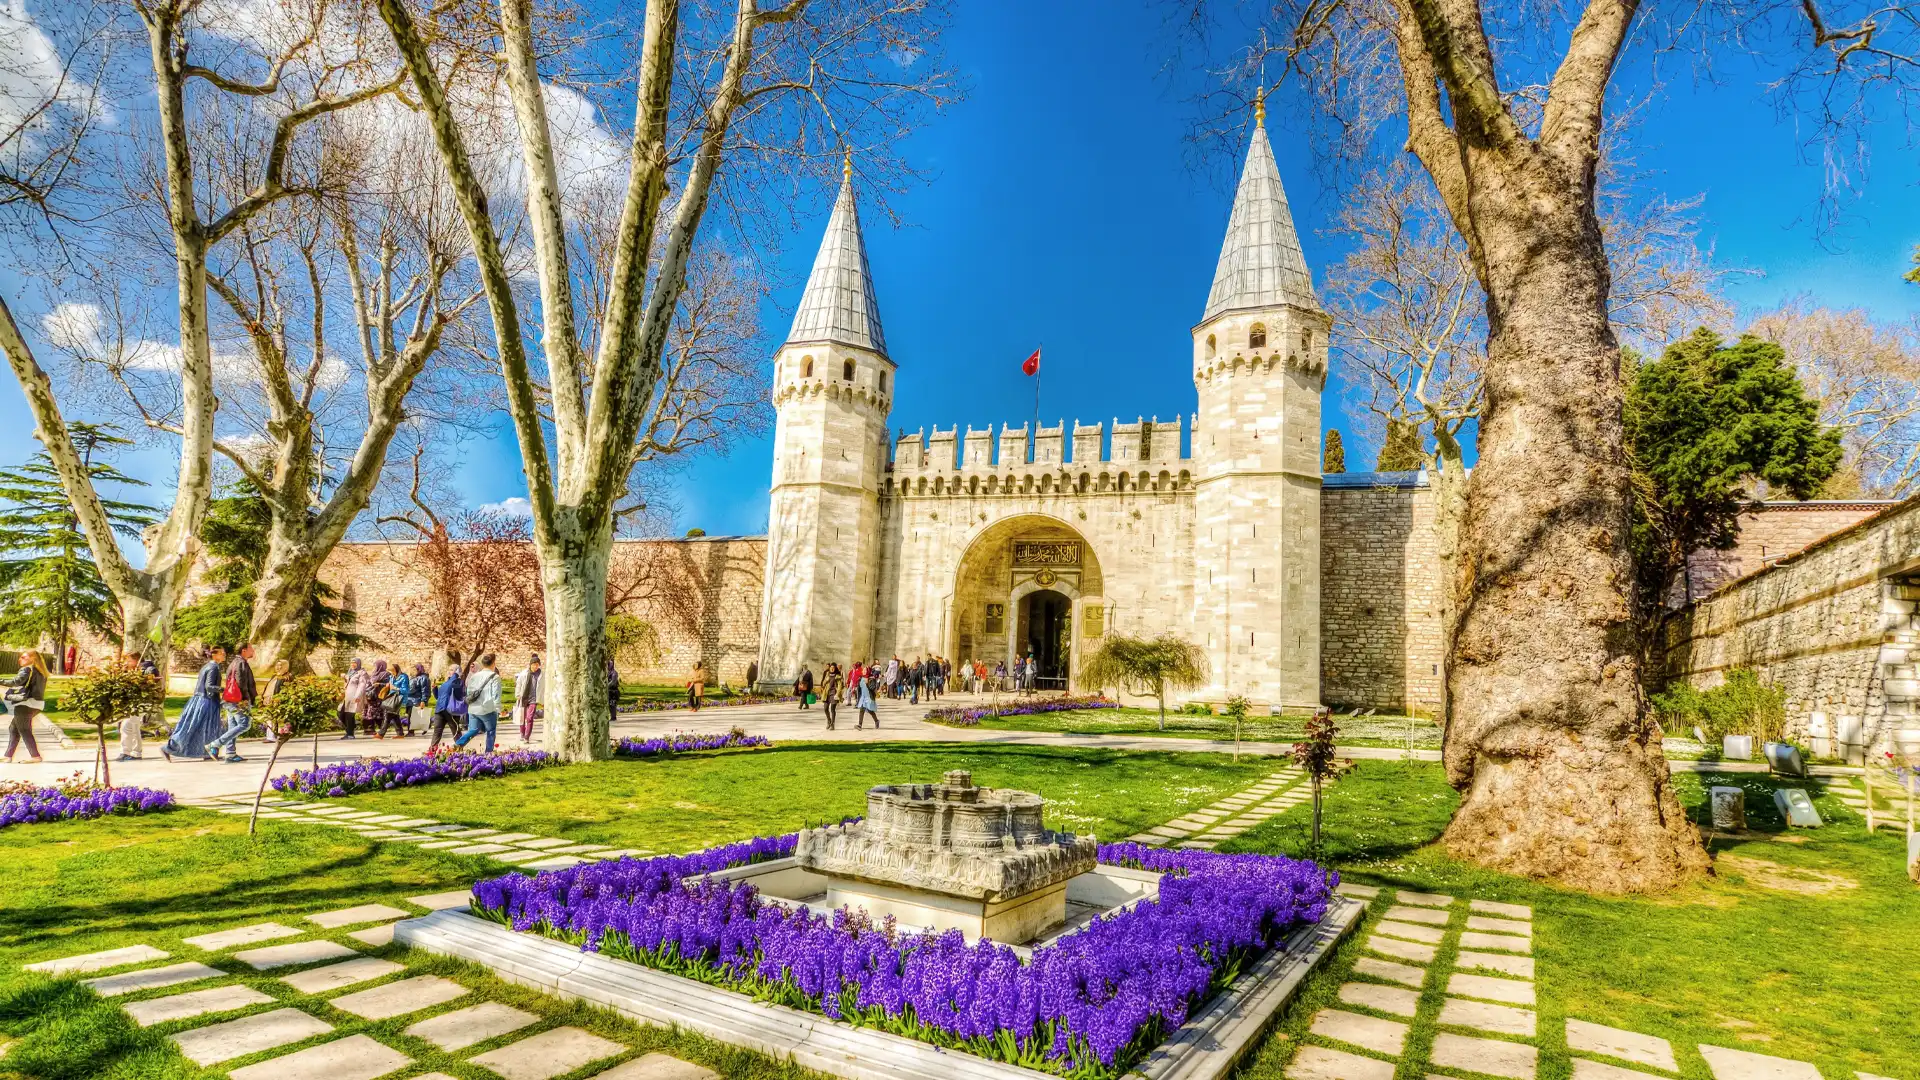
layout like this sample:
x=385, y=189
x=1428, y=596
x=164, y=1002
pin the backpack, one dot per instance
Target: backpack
x=230, y=693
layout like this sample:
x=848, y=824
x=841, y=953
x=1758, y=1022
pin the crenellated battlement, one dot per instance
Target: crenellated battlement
x=1144, y=455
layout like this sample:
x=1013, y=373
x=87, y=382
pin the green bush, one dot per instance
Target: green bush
x=1743, y=705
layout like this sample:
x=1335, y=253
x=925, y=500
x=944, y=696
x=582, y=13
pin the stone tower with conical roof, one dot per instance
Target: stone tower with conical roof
x=832, y=386
x=1259, y=363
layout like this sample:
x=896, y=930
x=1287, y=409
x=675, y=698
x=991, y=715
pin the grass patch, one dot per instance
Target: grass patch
x=699, y=799
x=1805, y=945
x=1382, y=731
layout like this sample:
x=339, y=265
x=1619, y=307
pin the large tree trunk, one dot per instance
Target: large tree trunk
x=283, y=601
x=1449, y=513
x=1550, y=741
x=577, y=726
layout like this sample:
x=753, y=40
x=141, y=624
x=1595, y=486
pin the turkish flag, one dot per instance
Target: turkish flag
x=1031, y=365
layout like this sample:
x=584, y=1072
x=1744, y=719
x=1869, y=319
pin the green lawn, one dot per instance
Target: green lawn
x=1384, y=731
x=696, y=800
x=1805, y=945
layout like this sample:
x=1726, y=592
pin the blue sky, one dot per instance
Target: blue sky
x=1062, y=211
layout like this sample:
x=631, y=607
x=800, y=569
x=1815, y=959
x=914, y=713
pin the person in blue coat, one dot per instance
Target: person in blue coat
x=200, y=720
x=450, y=702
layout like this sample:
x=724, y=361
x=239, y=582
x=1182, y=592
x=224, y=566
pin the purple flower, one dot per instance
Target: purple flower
x=52, y=804
x=970, y=716
x=679, y=744
x=378, y=774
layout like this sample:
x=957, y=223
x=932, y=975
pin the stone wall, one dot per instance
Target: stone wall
x=702, y=599
x=1768, y=534
x=1380, y=641
x=1834, y=625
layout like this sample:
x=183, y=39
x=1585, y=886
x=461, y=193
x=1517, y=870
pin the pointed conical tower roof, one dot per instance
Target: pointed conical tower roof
x=838, y=305
x=1261, y=264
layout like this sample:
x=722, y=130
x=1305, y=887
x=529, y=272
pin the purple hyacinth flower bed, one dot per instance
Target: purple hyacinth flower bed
x=971, y=715
x=661, y=745
x=379, y=774
x=53, y=804
x=1090, y=1004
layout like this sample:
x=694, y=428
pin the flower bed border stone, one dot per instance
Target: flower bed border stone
x=1205, y=1048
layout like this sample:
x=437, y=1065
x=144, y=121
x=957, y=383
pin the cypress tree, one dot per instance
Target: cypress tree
x=1333, y=459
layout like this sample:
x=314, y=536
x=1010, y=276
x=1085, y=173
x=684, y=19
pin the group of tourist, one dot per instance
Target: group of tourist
x=980, y=679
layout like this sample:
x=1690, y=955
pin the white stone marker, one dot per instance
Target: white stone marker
x=152, y=978
x=1320, y=1063
x=323, y=980
x=1500, y=1019
x=1387, y=999
x=193, y=1003
x=1730, y=1064
x=476, y=1023
x=242, y=935
x=356, y=1057
x=364, y=913
x=400, y=998
x=99, y=961
x=1626, y=1045
x=1366, y=1032
x=300, y=952
x=247, y=1035
x=549, y=1053
x=1492, y=1056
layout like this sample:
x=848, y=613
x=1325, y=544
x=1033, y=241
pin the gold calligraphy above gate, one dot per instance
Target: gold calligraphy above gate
x=1046, y=553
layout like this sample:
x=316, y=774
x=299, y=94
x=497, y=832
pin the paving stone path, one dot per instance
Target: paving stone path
x=523, y=850
x=1485, y=1003
x=327, y=985
x=1207, y=827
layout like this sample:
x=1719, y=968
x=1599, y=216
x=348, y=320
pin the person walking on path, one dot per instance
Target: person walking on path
x=483, y=704
x=803, y=687
x=419, y=692
x=237, y=696
x=696, y=684
x=832, y=685
x=373, y=718
x=354, y=701
x=866, y=702
x=526, y=697
x=613, y=691
x=26, y=698
x=449, y=703
x=393, y=707
x=200, y=720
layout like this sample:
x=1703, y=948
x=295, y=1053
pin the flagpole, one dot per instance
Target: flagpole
x=1041, y=353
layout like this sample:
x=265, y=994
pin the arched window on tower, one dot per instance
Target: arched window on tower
x=1211, y=347
x=846, y=371
x=1257, y=337
x=883, y=382
x=806, y=367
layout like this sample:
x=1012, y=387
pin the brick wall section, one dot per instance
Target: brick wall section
x=1776, y=530
x=717, y=619
x=1834, y=625
x=1379, y=613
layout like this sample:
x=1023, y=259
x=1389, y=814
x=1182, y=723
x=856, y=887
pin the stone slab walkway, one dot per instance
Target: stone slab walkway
x=1227, y=818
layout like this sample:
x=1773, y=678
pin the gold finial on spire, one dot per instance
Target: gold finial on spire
x=1260, y=106
x=846, y=167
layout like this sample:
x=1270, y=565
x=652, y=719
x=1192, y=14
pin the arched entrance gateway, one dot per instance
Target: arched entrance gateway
x=1028, y=584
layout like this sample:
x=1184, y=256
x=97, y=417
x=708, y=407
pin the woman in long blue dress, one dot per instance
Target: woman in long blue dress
x=200, y=720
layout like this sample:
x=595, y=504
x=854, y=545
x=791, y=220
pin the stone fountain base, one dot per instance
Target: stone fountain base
x=1014, y=921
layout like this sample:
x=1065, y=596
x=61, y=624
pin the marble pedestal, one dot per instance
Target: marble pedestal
x=1014, y=921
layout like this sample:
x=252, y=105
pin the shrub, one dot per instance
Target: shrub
x=1743, y=705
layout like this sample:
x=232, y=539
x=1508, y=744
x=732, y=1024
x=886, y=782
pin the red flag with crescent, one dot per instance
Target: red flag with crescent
x=1031, y=365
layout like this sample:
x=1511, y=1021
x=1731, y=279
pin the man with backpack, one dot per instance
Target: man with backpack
x=237, y=696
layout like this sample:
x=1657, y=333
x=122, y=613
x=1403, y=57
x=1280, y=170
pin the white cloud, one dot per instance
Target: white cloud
x=81, y=330
x=511, y=507
x=32, y=71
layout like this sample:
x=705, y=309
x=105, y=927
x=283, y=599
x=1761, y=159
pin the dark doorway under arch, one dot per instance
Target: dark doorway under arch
x=1046, y=631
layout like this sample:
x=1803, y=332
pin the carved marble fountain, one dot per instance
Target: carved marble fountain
x=951, y=856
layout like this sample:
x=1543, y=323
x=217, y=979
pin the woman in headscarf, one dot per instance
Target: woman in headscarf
x=373, y=716
x=398, y=701
x=418, y=701
x=200, y=719
x=25, y=698
x=866, y=701
x=526, y=696
x=832, y=685
x=354, y=701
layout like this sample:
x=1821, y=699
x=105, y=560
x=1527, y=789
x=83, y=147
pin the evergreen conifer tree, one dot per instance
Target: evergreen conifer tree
x=1401, y=452
x=49, y=586
x=235, y=535
x=1333, y=459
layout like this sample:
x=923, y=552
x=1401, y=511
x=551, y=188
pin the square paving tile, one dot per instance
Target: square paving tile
x=549, y=1053
x=374, y=935
x=1430, y=935
x=1364, y=892
x=152, y=978
x=333, y=920
x=99, y=961
x=1496, y=942
x=515, y=837
x=1510, y=911
x=1404, y=974
x=443, y=901
x=356, y=1057
x=414, y=822
x=1499, y=1019
x=657, y=1066
x=1423, y=899
x=447, y=844
x=1366, y=1032
x=300, y=952
x=1402, y=950
x=1511, y=991
x=1626, y=1045
x=242, y=935
x=1492, y=1056
x=1417, y=915
x=1387, y=999
x=1320, y=1063
x=1488, y=925
x=1520, y=967
x=480, y=849
x=248, y=1035
x=515, y=858
x=475, y=833
x=400, y=998
x=193, y=1003
x=474, y=1024
x=558, y=862
x=440, y=828
x=1729, y=1064
x=323, y=980
x=1585, y=1069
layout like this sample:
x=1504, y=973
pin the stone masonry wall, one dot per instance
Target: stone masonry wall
x=1380, y=640
x=1776, y=530
x=1835, y=625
